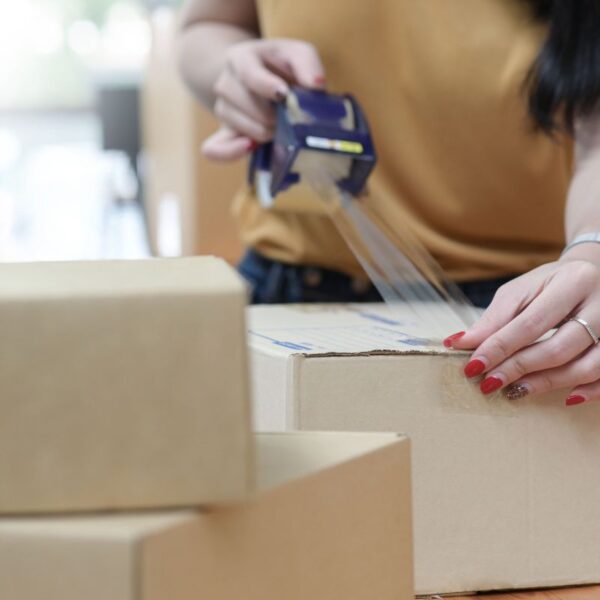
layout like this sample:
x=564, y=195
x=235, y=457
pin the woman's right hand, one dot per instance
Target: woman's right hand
x=256, y=74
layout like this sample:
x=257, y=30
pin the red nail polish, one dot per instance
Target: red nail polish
x=574, y=399
x=252, y=146
x=320, y=80
x=449, y=341
x=474, y=367
x=490, y=384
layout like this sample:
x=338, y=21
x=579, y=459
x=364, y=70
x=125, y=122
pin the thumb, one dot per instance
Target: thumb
x=298, y=61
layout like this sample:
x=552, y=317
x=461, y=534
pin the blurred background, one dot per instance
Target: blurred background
x=99, y=141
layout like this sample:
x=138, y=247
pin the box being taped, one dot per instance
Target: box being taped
x=123, y=384
x=332, y=521
x=506, y=494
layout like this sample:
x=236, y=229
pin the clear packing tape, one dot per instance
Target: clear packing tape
x=399, y=266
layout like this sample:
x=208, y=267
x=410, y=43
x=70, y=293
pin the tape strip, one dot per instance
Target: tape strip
x=460, y=394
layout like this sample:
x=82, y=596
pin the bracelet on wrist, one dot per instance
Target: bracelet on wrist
x=584, y=238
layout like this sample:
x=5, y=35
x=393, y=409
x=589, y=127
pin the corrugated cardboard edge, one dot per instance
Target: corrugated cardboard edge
x=375, y=352
x=493, y=593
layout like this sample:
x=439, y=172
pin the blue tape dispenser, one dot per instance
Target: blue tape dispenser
x=321, y=137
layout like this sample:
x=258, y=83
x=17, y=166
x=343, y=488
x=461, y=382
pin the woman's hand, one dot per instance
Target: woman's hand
x=508, y=353
x=256, y=74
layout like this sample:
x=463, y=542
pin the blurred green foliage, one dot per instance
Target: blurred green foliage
x=97, y=10
x=72, y=10
x=94, y=10
x=62, y=79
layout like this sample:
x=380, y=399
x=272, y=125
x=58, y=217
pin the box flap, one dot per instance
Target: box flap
x=338, y=329
x=283, y=457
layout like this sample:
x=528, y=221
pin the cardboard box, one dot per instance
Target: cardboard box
x=332, y=520
x=506, y=494
x=122, y=385
x=186, y=196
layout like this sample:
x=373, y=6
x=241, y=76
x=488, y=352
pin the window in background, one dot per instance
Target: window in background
x=52, y=49
x=68, y=128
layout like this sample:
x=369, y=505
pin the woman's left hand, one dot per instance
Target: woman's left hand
x=508, y=350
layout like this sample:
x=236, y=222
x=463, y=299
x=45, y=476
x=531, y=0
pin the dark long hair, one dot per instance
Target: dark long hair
x=564, y=81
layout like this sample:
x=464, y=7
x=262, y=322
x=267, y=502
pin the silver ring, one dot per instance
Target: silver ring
x=593, y=335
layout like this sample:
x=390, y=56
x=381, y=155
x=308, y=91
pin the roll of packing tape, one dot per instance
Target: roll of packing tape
x=320, y=169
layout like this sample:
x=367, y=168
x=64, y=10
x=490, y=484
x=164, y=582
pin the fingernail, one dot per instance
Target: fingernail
x=251, y=146
x=574, y=399
x=491, y=384
x=474, y=367
x=516, y=391
x=280, y=95
x=449, y=341
x=320, y=80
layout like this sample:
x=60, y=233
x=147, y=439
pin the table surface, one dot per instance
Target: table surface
x=580, y=593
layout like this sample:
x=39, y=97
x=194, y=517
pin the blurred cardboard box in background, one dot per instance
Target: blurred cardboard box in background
x=124, y=384
x=184, y=192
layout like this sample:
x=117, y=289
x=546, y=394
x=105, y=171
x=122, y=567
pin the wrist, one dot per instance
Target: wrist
x=587, y=251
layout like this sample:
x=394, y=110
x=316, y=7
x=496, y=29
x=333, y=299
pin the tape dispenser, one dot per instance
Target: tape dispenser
x=320, y=138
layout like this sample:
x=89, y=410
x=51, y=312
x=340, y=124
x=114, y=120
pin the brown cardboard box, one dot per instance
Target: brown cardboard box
x=506, y=494
x=122, y=384
x=332, y=521
x=176, y=175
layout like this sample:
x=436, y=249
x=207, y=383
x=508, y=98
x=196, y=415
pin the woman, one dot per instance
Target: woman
x=473, y=106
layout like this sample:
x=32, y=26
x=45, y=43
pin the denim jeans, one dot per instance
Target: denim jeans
x=273, y=282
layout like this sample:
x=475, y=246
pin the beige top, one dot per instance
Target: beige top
x=442, y=84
